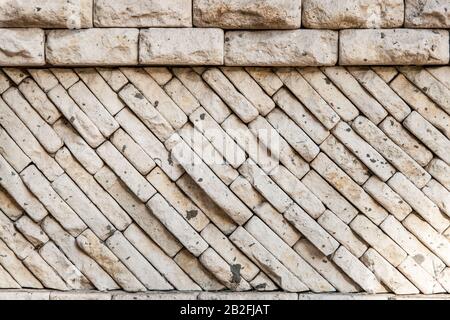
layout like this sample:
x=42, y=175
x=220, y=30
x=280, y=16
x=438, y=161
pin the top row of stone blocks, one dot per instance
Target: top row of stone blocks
x=225, y=14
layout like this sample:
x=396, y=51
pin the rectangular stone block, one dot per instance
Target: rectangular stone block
x=12, y=153
x=106, y=47
x=238, y=14
x=343, y=14
x=281, y=48
x=20, y=47
x=58, y=14
x=188, y=46
x=146, y=13
x=393, y=47
x=427, y=14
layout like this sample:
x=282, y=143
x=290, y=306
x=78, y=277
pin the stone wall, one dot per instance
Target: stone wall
x=224, y=32
x=211, y=149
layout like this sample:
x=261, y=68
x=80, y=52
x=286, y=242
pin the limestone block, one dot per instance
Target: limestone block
x=419, y=277
x=114, y=77
x=58, y=14
x=393, y=47
x=281, y=48
x=67, y=77
x=12, y=153
x=31, y=231
x=147, y=13
x=185, y=46
x=266, y=78
x=104, y=47
x=181, y=96
x=428, y=14
x=238, y=14
x=440, y=171
x=19, y=47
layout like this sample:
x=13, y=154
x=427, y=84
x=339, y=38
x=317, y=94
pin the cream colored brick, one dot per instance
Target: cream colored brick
x=12, y=153
x=67, y=77
x=31, y=231
x=115, y=79
x=439, y=195
x=267, y=79
x=48, y=277
x=181, y=96
x=419, y=277
x=440, y=171
x=9, y=206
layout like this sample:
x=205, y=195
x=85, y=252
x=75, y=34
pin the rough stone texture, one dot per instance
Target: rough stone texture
x=393, y=47
x=92, y=47
x=146, y=13
x=181, y=46
x=427, y=14
x=343, y=14
x=247, y=14
x=162, y=186
x=71, y=14
x=281, y=48
x=20, y=47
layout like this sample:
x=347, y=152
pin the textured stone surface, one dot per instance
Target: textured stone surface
x=147, y=13
x=71, y=14
x=281, y=48
x=343, y=14
x=427, y=14
x=92, y=47
x=238, y=14
x=390, y=47
x=20, y=47
x=181, y=46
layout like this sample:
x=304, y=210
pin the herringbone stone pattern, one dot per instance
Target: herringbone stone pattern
x=139, y=179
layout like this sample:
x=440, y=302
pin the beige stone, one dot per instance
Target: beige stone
x=92, y=47
x=427, y=14
x=19, y=47
x=440, y=171
x=238, y=14
x=58, y=14
x=12, y=153
x=281, y=48
x=393, y=47
x=187, y=46
x=31, y=231
x=147, y=13
x=343, y=14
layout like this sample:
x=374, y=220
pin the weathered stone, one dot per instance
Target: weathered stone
x=147, y=13
x=349, y=86
x=287, y=256
x=162, y=75
x=114, y=77
x=330, y=197
x=440, y=171
x=266, y=78
x=235, y=100
x=393, y=47
x=263, y=283
x=11, y=182
x=385, y=73
x=67, y=77
x=127, y=173
x=16, y=75
x=48, y=277
x=138, y=211
x=6, y=281
x=177, y=225
x=66, y=270
x=223, y=271
x=439, y=195
x=40, y=129
x=153, y=253
x=311, y=230
x=281, y=48
x=238, y=14
x=181, y=96
x=239, y=263
x=44, y=78
x=92, y=47
x=9, y=206
x=335, y=98
x=19, y=47
x=58, y=14
x=13, y=239
x=387, y=197
x=357, y=271
x=146, y=112
x=343, y=14
x=91, y=245
x=156, y=96
x=419, y=277
x=247, y=296
x=39, y=100
x=188, y=46
x=31, y=231
x=266, y=261
x=387, y=274
x=427, y=14
x=93, y=190
x=136, y=263
x=12, y=153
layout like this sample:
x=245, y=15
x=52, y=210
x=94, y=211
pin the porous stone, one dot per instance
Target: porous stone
x=58, y=14
x=343, y=14
x=147, y=13
x=248, y=14
x=186, y=46
x=281, y=48
x=19, y=47
x=92, y=47
x=393, y=47
x=427, y=14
